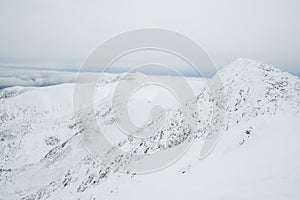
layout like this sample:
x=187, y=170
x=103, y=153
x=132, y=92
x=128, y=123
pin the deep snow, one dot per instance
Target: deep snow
x=256, y=157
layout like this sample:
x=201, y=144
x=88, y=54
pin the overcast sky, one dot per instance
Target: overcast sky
x=55, y=33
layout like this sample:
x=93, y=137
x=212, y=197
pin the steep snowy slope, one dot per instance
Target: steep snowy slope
x=42, y=156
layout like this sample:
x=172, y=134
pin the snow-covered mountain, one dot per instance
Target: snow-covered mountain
x=256, y=157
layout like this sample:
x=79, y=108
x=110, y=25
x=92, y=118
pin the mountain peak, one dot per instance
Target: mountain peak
x=245, y=65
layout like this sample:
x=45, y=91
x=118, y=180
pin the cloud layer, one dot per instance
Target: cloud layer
x=17, y=77
x=62, y=33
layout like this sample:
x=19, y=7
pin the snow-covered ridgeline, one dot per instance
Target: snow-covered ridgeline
x=39, y=133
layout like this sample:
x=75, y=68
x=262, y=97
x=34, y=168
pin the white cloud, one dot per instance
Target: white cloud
x=62, y=33
x=17, y=77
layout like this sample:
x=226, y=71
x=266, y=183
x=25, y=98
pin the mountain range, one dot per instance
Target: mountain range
x=256, y=109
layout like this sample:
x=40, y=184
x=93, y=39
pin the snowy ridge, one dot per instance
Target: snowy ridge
x=43, y=157
x=253, y=88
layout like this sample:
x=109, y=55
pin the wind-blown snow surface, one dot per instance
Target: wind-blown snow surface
x=257, y=156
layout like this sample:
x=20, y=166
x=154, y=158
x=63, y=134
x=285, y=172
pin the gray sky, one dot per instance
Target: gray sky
x=55, y=33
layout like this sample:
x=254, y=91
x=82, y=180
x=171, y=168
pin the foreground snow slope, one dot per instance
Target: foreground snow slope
x=256, y=157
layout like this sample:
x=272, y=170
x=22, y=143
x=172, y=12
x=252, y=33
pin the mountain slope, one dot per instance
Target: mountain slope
x=255, y=158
